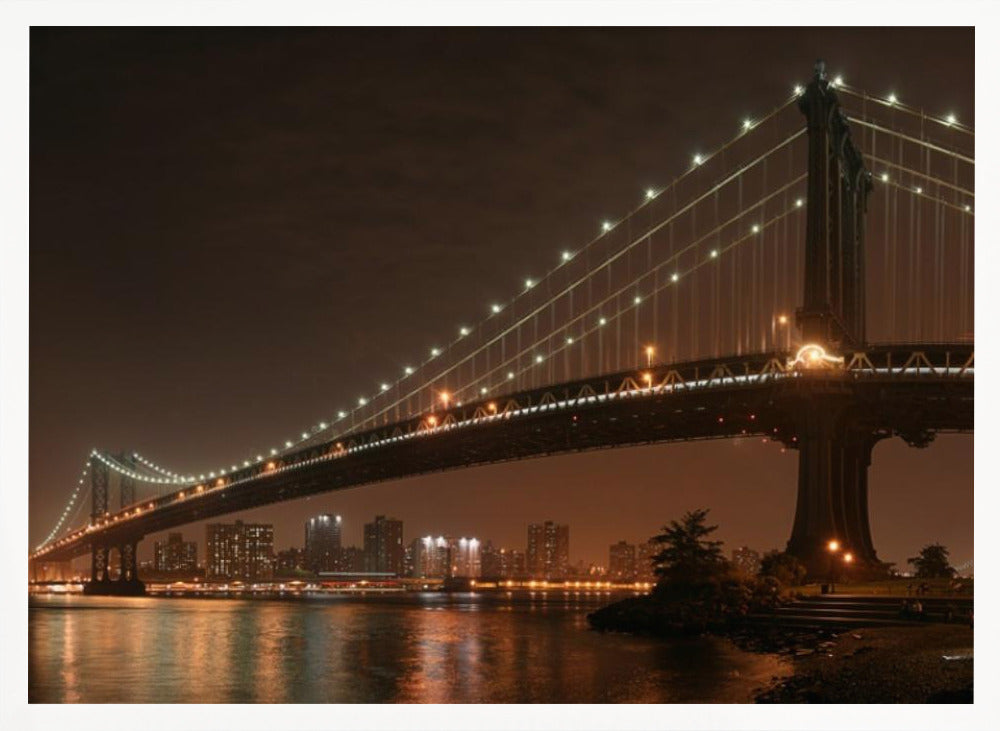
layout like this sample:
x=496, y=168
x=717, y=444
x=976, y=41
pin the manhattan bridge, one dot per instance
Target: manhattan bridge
x=809, y=282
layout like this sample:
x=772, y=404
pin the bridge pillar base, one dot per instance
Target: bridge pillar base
x=834, y=456
x=115, y=588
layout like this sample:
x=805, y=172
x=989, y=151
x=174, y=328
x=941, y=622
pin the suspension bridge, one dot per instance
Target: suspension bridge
x=809, y=284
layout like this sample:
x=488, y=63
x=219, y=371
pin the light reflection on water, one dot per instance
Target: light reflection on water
x=433, y=648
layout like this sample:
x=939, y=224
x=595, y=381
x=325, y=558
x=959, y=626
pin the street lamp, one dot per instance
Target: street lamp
x=780, y=321
x=832, y=546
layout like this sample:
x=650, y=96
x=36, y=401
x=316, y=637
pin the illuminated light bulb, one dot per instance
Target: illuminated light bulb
x=968, y=208
x=698, y=159
x=951, y=119
x=674, y=277
x=714, y=253
x=305, y=435
x=341, y=414
x=566, y=256
x=408, y=371
x=650, y=194
x=432, y=420
x=385, y=386
x=798, y=203
x=606, y=225
x=798, y=90
x=463, y=331
x=287, y=444
x=637, y=299
x=603, y=321
x=483, y=390
x=322, y=425
x=495, y=308
x=510, y=375
x=569, y=341
x=892, y=99
x=539, y=358
x=747, y=124
x=919, y=190
x=445, y=397
x=755, y=228
x=435, y=352
x=529, y=283
x=885, y=177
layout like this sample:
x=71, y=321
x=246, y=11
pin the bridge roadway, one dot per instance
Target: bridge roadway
x=908, y=390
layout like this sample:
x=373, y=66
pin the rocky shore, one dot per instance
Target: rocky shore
x=919, y=664
x=928, y=663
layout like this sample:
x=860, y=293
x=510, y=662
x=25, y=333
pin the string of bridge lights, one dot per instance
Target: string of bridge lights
x=495, y=308
x=639, y=238
x=69, y=505
x=747, y=124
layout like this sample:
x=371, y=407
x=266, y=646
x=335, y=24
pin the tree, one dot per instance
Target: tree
x=932, y=563
x=687, y=554
x=784, y=567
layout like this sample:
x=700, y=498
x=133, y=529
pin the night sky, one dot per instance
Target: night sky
x=235, y=232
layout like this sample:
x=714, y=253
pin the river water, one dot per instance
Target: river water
x=417, y=648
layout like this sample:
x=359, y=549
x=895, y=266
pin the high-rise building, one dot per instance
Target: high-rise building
x=644, y=554
x=491, y=565
x=323, y=543
x=548, y=550
x=243, y=551
x=513, y=564
x=175, y=555
x=466, y=561
x=746, y=561
x=621, y=562
x=384, y=546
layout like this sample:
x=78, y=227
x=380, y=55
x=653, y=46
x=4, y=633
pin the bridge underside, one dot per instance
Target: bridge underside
x=833, y=418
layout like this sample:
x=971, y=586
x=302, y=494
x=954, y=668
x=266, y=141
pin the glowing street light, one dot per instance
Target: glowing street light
x=833, y=546
x=951, y=119
x=650, y=351
x=445, y=398
x=606, y=225
x=885, y=177
x=892, y=99
x=848, y=557
x=650, y=194
x=463, y=331
x=495, y=308
x=408, y=371
x=747, y=124
x=698, y=159
x=567, y=255
x=529, y=283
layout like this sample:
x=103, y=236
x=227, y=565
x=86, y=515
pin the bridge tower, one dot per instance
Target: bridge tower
x=100, y=551
x=833, y=310
x=834, y=445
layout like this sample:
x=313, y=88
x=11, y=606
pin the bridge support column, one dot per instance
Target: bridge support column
x=834, y=456
x=127, y=584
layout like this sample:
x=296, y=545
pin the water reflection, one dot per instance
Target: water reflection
x=418, y=648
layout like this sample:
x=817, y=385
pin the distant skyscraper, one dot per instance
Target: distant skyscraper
x=548, y=550
x=243, y=551
x=175, y=555
x=384, y=546
x=644, y=553
x=621, y=562
x=746, y=560
x=490, y=561
x=466, y=561
x=323, y=543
